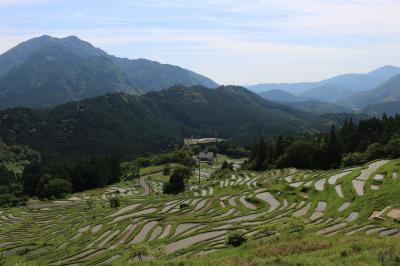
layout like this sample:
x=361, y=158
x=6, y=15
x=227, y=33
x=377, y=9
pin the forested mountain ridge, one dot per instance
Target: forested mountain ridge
x=129, y=125
x=54, y=75
x=46, y=71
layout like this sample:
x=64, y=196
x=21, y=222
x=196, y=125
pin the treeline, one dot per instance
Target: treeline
x=353, y=144
x=55, y=181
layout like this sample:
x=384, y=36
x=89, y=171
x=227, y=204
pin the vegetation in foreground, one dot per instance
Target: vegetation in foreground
x=299, y=250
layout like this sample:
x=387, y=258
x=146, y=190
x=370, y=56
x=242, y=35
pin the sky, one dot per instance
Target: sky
x=231, y=41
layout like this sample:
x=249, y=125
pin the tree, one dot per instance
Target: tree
x=302, y=154
x=176, y=182
x=56, y=188
x=393, y=147
x=260, y=155
x=355, y=158
x=375, y=151
x=334, y=149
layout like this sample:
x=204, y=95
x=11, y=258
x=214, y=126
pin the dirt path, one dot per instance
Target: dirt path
x=144, y=185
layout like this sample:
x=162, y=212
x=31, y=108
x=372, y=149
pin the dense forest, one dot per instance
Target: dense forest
x=128, y=126
x=353, y=144
x=23, y=174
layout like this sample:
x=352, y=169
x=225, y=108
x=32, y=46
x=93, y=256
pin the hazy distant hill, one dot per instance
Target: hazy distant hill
x=278, y=95
x=45, y=71
x=318, y=107
x=389, y=108
x=330, y=93
x=351, y=82
x=127, y=124
x=387, y=92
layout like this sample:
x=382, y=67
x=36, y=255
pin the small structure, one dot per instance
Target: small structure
x=206, y=156
x=193, y=141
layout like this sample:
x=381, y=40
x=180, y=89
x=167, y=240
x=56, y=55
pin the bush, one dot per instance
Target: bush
x=344, y=253
x=114, y=202
x=375, y=151
x=56, y=188
x=236, y=238
x=270, y=229
x=167, y=170
x=254, y=200
x=393, y=147
x=355, y=158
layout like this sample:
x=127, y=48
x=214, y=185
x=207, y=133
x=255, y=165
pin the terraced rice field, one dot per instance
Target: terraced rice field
x=197, y=221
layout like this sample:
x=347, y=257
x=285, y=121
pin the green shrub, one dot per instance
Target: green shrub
x=114, y=202
x=344, y=253
x=254, y=200
x=236, y=238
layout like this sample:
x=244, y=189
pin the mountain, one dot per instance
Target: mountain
x=328, y=92
x=46, y=71
x=351, y=82
x=53, y=76
x=278, y=95
x=152, y=76
x=128, y=125
x=294, y=88
x=389, y=108
x=387, y=92
x=363, y=82
x=19, y=54
x=318, y=107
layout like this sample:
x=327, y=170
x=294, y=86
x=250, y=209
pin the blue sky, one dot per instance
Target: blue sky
x=233, y=42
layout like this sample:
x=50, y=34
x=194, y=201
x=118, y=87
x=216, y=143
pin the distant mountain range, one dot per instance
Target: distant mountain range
x=128, y=125
x=47, y=71
x=351, y=82
x=344, y=93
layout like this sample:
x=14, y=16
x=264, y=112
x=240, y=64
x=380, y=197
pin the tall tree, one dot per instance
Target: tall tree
x=334, y=149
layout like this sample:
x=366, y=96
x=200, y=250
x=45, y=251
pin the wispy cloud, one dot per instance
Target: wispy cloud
x=233, y=41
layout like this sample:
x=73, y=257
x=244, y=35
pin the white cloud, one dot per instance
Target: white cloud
x=236, y=41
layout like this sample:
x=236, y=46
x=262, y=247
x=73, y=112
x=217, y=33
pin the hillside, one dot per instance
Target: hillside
x=318, y=107
x=390, y=108
x=344, y=216
x=53, y=76
x=131, y=125
x=46, y=71
x=328, y=92
x=387, y=92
